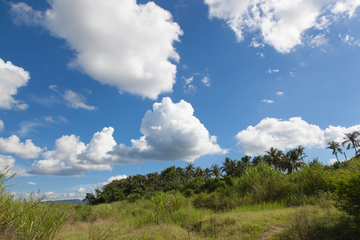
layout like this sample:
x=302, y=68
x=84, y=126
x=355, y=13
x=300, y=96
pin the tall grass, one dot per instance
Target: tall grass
x=27, y=218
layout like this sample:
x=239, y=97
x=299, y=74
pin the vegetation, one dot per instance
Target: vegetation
x=27, y=218
x=274, y=196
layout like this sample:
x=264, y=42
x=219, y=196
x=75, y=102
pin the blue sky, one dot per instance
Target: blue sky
x=96, y=90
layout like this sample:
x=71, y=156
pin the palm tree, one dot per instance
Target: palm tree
x=246, y=160
x=207, y=173
x=199, y=172
x=256, y=160
x=229, y=166
x=292, y=160
x=275, y=157
x=352, y=139
x=300, y=149
x=216, y=170
x=189, y=170
x=335, y=146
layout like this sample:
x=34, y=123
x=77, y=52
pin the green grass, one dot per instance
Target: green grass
x=261, y=221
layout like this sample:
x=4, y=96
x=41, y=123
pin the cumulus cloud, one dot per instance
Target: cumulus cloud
x=279, y=93
x=267, y=101
x=282, y=134
x=1, y=125
x=11, y=78
x=24, y=150
x=170, y=132
x=121, y=43
x=31, y=183
x=280, y=23
x=118, y=177
x=6, y=161
x=64, y=161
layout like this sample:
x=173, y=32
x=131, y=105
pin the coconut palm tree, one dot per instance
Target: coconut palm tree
x=229, y=166
x=335, y=146
x=256, y=160
x=189, y=170
x=352, y=139
x=292, y=160
x=275, y=157
x=246, y=160
x=216, y=170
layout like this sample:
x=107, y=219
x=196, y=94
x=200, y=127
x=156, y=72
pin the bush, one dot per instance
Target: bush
x=348, y=191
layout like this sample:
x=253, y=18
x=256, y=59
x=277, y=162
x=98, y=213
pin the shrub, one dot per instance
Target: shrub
x=348, y=191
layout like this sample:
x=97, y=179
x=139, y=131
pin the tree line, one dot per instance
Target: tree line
x=192, y=180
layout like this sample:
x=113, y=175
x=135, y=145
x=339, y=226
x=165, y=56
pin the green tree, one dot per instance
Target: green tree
x=216, y=170
x=189, y=170
x=335, y=146
x=351, y=139
x=275, y=157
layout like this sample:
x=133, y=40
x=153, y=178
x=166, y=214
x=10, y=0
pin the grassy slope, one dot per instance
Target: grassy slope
x=123, y=220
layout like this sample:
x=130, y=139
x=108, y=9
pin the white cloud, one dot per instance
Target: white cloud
x=318, y=40
x=279, y=93
x=170, y=133
x=81, y=190
x=11, y=78
x=272, y=70
x=76, y=100
x=280, y=23
x=190, y=89
x=27, y=126
x=188, y=80
x=63, y=119
x=281, y=134
x=64, y=159
x=73, y=99
x=121, y=43
x=350, y=40
x=24, y=150
x=6, y=161
x=261, y=54
x=31, y=183
x=49, y=119
x=267, y=101
x=206, y=80
x=118, y=177
x=1, y=125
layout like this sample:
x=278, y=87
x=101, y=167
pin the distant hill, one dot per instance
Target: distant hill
x=75, y=201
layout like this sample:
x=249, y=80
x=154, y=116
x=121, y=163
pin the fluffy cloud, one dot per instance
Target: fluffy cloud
x=118, y=177
x=281, y=134
x=6, y=161
x=11, y=78
x=279, y=93
x=120, y=43
x=64, y=161
x=281, y=23
x=20, y=149
x=267, y=101
x=31, y=183
x=1, y=125
x=170, y=133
